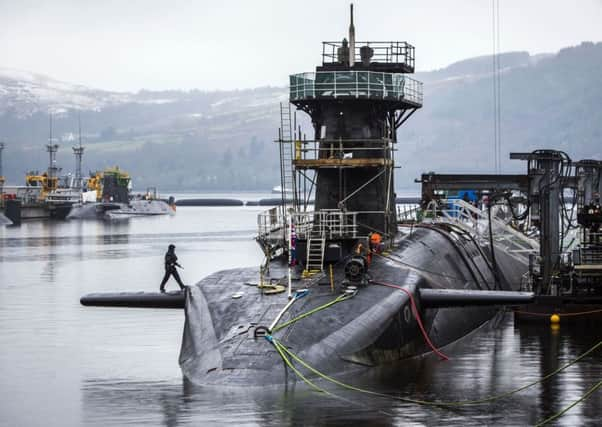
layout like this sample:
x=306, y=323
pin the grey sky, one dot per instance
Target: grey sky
x=175, y=44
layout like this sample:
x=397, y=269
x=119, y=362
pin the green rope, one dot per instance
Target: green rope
x=279, y=348
x=288, y=363
x=310, y=312
x=565, y=410
x=433, y=403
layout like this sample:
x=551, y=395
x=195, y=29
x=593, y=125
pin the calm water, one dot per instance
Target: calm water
x=64, y=364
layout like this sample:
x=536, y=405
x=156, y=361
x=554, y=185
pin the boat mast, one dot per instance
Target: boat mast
x=52, y=168
x=78, y=151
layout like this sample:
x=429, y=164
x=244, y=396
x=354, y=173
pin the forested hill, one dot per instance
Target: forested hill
x=216, y=140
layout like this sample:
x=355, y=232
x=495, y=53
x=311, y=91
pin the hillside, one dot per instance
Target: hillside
x=202, y=140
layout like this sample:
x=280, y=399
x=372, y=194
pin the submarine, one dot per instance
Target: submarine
x=345, y=285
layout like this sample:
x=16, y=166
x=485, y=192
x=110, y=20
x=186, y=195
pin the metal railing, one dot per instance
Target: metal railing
x=343, y=148
x=389, y=52
x=408, y=213
x=589, y=256
x=326, y=223
x=271, y=223
x=355, y=84
x=27, y=194
x=476, y=221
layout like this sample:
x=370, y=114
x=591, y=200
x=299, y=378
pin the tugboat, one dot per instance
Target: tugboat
x=48, y=195
x=345, y=287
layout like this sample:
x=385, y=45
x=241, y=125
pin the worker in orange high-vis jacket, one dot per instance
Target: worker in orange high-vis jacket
x=375, y=244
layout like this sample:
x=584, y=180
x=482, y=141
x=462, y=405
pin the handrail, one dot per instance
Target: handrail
x=325, y=223
x=476, y=221
x=341, y=148
x=388, y=52
x=355, y=84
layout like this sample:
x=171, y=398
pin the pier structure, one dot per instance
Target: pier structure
x=556, y=203
x=546, y=170
x=357, y=99
x=586, y=258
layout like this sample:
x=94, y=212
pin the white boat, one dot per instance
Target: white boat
x=278, y=190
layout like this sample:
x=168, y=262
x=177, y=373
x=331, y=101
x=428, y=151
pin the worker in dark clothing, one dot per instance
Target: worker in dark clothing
x=171, y=262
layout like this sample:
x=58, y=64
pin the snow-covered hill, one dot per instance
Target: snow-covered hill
x=24, y=93
x=223, y=139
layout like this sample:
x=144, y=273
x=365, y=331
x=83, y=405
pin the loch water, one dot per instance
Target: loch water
x=62, y=364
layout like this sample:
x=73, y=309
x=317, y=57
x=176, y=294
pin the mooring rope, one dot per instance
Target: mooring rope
x=337, y=300
x=575, y=403
x=279, y=348
x=581, y=313
x=283, y=349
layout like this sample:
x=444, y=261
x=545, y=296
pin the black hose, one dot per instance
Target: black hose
x=493, y=261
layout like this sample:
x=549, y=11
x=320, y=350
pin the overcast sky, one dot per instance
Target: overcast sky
x=224, y=44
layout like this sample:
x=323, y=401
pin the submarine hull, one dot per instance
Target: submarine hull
x=220, y=345
x=112, y=210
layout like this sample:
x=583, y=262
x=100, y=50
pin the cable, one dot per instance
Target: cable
x=310, y=312
x=425, y=402
x=416, y=316
x=580, y=313
x=281, y=351
x=492, y=249
x=565, y=410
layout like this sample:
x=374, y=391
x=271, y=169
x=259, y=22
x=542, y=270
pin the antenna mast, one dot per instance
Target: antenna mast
x=351, y=39
x=52, y=149
x=78, y=151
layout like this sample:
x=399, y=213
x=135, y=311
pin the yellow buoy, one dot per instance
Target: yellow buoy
x=554, y=319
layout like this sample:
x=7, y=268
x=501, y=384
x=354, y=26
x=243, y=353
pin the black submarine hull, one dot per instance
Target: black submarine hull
x=224, y=311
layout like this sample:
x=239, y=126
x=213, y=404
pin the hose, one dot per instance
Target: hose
x=417, y=317
x=310, y=312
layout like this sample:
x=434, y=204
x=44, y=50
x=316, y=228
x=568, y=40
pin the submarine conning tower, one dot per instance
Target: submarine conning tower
x=338, y=186
x=357, y=99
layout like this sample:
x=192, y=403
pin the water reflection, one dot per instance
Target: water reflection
x=64, y=364
x=494, y=361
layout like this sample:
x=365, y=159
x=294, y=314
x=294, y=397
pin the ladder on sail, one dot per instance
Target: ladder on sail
x=315, y=255
x=287, y=175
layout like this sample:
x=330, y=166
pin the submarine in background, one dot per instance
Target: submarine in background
x=344, y=285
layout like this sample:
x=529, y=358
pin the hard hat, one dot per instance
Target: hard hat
x=375, y=237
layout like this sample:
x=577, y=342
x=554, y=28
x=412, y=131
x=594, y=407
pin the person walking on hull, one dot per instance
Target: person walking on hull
x=171, y=262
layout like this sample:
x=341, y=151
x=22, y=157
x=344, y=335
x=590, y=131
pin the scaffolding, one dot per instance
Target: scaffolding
x=338, y=187
x=300, y=162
